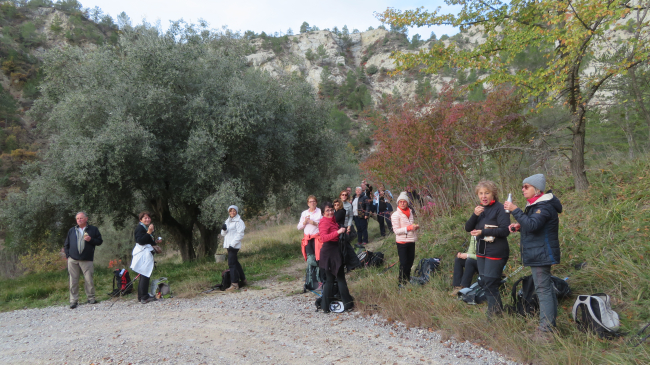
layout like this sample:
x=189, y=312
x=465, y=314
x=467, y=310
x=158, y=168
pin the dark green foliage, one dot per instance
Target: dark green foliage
x=423, y=89
x=274, y=43
x=156, y=124
x=310, y=55
x=328, y=87
x=341, y=123
x=416, y=41
x=304, y=27
x=372, y=69
x=476, y=92
x=8, y=107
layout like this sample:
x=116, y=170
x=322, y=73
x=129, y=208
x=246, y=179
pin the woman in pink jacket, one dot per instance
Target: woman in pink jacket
x=405, y=236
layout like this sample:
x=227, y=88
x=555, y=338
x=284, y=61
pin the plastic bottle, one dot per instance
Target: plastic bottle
x=509, y=201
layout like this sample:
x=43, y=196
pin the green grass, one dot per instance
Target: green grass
x=263, y=255
x=607, y=227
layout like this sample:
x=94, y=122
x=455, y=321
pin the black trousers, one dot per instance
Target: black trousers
x=346, y=298
x=490, y=279
x=362, y=229
x=236, y=271
x=464, y=270
x=406, y=253
x=143, y=288
x=384, y=219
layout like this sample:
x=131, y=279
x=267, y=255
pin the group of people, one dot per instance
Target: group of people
x=80, y=243
x=489, y=226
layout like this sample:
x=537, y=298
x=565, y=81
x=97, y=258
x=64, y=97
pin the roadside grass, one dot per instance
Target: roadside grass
x=607, y=227
x=263, y=255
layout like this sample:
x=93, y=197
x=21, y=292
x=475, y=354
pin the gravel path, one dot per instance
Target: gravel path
x=250, y=327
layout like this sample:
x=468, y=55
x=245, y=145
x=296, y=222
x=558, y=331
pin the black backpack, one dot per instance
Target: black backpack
x=122, y=284
x=424, y=270
x=525, y=301
x=371, y=259
x=225, y=280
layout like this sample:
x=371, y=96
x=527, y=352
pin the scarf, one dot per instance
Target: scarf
x=407, y=212
x=81, y=243
x=534, y=199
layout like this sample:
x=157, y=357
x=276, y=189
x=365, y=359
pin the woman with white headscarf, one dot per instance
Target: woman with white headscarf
x=233, y=232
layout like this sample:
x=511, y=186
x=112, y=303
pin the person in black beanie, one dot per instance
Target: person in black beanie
x=489, y=224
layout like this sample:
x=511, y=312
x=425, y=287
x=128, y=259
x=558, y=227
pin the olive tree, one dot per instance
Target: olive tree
x=177, y=123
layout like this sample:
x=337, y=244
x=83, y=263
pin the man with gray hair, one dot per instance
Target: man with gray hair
x=80, y=251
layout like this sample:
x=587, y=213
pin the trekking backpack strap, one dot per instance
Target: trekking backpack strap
x=603, y=301
x=513, y=292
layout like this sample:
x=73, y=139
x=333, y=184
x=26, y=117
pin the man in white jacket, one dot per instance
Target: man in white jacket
x=233, y=232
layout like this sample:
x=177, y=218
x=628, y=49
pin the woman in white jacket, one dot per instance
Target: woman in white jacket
x=233, y=232
x=405, y=237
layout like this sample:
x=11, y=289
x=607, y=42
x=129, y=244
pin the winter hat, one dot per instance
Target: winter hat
x=538, y=181
x=402, y=196
x=233, y=207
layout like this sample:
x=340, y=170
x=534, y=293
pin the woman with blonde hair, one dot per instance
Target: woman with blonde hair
x=489, y=224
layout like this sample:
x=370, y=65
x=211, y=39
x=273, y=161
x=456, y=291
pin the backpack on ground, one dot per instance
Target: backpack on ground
x=311, y=278
x=594, y=313
x=225, y=280
x=424, y=270
x=475, y=294
x=122, y=284
x=159, y=288
x=371, y=259
x=525, y=301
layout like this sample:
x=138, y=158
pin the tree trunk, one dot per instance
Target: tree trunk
x=638, y=98
x=183, y=235
x=578, y=151
x=209, y=240
x=629, y=134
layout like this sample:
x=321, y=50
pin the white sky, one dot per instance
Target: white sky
x=268, y=16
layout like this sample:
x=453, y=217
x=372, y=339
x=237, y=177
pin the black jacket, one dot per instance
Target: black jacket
x=493, y=215
x=142, y=237
x=364, y=206
x=540, y=243
x=70, y=245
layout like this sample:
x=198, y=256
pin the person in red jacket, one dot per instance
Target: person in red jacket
x=331, y=259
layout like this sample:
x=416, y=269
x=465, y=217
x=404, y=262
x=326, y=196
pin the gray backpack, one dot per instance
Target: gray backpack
x=594, y=313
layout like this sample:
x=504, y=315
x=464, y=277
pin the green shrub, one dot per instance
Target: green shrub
x=372, y=69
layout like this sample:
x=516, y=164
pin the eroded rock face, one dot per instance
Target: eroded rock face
x=342, y=54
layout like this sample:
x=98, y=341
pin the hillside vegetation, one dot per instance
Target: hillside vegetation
x=604, y=241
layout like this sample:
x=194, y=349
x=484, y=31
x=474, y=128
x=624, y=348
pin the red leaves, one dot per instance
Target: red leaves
x=429, y=141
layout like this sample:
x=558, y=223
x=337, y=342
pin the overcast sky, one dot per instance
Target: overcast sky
x=267, y=16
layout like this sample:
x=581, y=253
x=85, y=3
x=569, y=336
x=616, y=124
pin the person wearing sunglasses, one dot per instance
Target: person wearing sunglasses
x=489, y=224
x=344, y=198
x=538, y=225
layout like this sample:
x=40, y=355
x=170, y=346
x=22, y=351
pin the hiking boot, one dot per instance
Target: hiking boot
x=73, y=305
x=243, y=283
x=233, y=287
x=92, y=301
x=148, y=300
x=454, y=293
x=542, y=337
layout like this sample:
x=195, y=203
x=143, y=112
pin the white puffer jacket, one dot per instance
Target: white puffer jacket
x=400, y=221
x=235, y=232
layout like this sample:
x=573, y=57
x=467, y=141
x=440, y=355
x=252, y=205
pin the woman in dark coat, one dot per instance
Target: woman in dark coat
x=540, y=244
x=331, y=259
x=143, y=252
x=489, y=224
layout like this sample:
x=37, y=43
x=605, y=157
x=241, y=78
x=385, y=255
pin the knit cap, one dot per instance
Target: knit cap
x=233, y=207
x=403, y=196
x=538, y=181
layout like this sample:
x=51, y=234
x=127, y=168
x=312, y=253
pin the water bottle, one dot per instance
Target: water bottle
x=509, y=201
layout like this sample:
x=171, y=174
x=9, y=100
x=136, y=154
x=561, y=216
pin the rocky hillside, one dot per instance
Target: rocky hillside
x=316, y=53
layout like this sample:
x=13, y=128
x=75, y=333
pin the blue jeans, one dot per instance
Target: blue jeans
x=362, y=229
x=546, y=295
